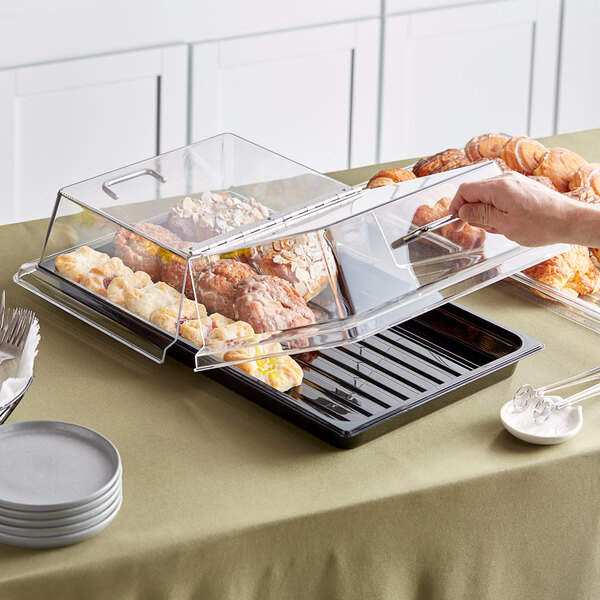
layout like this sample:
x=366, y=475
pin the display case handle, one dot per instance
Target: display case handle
x=109, y=182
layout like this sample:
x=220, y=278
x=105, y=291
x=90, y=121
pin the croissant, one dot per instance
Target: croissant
x=523, y=154
x=572, y=272
x=584, y=194
x=442, y=161
x=463, y=234
x=560, y=164
x=588, y=174
x=389, y=176
x=486, y=145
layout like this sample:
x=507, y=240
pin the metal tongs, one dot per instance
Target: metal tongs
x=545, y=400
x=419, y=231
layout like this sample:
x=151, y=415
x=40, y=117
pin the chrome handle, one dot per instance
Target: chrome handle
x=109, y=182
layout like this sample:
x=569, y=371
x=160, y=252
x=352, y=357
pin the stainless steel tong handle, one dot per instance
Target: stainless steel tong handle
x=106, y=186
x=419, y=231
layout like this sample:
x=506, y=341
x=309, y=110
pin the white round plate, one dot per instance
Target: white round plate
x=59, y=540
x=12, y=521
x=66, y=513
x=43, y=531
x=54, y=465
x=560, y=427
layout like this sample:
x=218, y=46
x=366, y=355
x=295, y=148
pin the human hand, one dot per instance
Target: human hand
x=520, y=208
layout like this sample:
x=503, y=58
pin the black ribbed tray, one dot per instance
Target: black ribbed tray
x=357, y=392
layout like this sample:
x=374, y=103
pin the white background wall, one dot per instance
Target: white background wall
x=87, y=86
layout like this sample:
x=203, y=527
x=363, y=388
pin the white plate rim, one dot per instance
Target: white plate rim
x=26, y=522
x=35, y=532
x=75, y=428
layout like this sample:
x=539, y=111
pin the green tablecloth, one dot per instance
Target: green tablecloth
x=224, y=500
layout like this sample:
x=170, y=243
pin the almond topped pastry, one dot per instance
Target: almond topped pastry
x=214, y=213
x=305, y=261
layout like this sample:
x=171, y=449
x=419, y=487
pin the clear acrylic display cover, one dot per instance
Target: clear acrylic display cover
x=309, y=261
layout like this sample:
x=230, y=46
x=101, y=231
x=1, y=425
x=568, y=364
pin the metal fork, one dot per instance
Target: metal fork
x=14, y=333
x=2, y=305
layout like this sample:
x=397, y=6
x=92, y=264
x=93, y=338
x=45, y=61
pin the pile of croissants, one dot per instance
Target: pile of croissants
x=574, y=272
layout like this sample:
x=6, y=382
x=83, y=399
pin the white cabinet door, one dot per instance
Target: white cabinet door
x=64, y=122
x=452, y=73
x=579, y=75
x=309, y=94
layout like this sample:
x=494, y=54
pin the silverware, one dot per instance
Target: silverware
x=14, y=333
x=419, y=231
x=527, y=394
x=2, y=305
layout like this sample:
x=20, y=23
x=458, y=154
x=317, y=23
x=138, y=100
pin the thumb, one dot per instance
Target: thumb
x=480, y=215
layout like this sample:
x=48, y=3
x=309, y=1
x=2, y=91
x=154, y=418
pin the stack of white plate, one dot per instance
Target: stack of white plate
x=60, y=483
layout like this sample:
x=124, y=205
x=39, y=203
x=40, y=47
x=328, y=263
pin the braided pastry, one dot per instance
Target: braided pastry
x=442, y=161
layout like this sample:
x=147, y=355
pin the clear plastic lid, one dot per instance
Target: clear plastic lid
x=232, y=252
x=348, y=275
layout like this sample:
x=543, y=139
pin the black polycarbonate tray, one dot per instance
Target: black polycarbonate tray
x=357, y=392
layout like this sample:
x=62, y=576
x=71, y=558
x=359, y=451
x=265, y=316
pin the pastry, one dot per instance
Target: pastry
x=596, y=253
x=560, y=165
x=305, y=261
x=119, y=286
x=389, y=176
x=545, y=181
x=572, y=272
x=280, y=372
x=588, y=174
x=270, y=304
x=442, y=161
x=584, y=194
x=173, y=270
x=523, y=154
x=486, y=145
x=224, y=337
x=99, y=278
x=197, y=330
x=216, y=283
x=143, y=301
x=212, y=214
x=167, y=317
x=139, y=253
x=76, y=265
x=460, y=233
